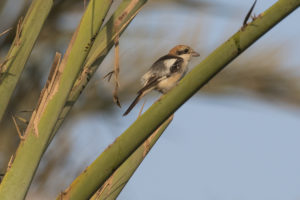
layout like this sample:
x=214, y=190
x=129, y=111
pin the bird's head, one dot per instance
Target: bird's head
x=184, y=52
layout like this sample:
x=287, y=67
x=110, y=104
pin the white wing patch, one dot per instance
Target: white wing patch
x=169, y=62
x=145, y=78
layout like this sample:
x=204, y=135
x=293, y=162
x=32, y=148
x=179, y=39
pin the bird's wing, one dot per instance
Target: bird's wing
x=176, y=66
x=151, y=83
x=165, y=63
x=160, y=70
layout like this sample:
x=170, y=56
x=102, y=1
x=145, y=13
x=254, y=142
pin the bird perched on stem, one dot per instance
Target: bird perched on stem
x=164, y=74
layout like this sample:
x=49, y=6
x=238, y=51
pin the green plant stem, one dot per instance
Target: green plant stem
x=104, y=166
x=19, y=176
x=21, y=48
x=114, y=185
x=100, y=48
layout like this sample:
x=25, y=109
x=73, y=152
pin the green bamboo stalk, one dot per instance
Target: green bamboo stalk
x=103, y=167
x=17, y=180
x=21, y=48
x=100, y=48
x=117, y=181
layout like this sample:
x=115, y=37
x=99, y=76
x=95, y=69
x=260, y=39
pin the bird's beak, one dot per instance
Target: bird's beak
x=195, y=54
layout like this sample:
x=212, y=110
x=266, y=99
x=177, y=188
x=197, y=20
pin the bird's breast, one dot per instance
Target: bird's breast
x=168, y=83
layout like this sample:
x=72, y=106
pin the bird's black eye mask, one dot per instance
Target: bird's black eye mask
x=184, y=51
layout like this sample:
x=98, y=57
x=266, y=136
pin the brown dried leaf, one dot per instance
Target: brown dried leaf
x=116, y=73
x=19, y=31
x=46, y=93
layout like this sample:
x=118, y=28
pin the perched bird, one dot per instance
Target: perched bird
x=164, y=74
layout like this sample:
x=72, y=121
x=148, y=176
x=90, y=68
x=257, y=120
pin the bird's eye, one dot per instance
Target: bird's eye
x=183, y=51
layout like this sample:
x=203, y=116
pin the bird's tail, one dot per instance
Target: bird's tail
x=135, y=101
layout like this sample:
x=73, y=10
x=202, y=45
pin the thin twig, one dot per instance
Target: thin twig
x=7, y=30
x=18, y=129
x=141, y=110
x=22, y=119
x=109, y=75
x=248, y=15
x=116, y=73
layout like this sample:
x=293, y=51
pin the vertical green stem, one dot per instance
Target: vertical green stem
x=26, y=36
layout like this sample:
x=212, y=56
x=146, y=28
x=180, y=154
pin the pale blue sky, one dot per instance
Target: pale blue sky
x=223, y=149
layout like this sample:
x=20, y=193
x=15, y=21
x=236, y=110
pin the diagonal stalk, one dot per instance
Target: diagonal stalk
x=100, y=48
x=117, y=181
x=105, y=165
